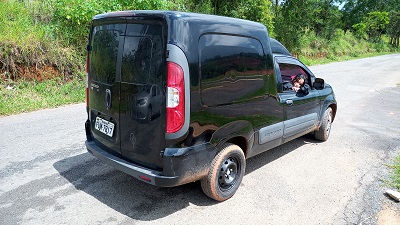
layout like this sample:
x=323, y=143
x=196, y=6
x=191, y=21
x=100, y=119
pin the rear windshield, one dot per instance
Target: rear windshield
x=142, y=52
x=103, y=57
x=142, y=57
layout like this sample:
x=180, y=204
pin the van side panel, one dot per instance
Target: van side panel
x=231, y=78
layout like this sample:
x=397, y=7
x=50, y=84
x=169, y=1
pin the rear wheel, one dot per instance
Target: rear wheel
x=226, y=173
x=323, y=132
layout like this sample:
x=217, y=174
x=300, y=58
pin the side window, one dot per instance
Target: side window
x=288, y=72
x=231, y=69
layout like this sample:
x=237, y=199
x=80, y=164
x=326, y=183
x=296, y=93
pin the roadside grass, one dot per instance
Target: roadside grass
x=341, y=47
x=395, y=168
x=28, y=40
x=26, y=96
x=317, y=61
x=395, y=177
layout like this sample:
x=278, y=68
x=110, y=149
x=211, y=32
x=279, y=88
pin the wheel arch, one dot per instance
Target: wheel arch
x=240, y=133
x=241, y=142
x=334, y=109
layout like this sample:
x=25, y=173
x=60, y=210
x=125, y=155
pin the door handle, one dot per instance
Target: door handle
x=108, y=99
x=289, y=102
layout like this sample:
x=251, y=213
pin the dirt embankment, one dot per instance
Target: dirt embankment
x=37, y=63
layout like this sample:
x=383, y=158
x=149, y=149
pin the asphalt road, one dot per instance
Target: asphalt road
x=47, y=177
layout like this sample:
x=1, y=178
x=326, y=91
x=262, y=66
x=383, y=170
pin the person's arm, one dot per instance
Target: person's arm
x=305, y=89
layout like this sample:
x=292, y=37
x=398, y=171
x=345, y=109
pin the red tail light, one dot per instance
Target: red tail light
x=87, y=80
x=175, y=97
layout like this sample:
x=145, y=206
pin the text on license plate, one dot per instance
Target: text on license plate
x=104, y=126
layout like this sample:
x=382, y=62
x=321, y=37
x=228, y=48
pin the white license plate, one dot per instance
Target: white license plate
x=104, y=126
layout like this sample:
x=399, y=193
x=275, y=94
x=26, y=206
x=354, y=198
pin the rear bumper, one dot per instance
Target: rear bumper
x=181, y=165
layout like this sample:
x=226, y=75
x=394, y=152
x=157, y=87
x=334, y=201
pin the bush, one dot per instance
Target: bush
x=26, y=42
x=341, y=44
x=73, y=16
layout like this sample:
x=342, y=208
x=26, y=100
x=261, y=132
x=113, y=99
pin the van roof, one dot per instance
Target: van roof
x=184, y=28
x=186, y=16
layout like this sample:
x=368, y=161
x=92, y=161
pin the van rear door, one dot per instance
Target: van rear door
x=143, y=82
x=106, y=41
x=127, y=81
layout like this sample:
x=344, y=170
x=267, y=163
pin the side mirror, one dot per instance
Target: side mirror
x=319, y=83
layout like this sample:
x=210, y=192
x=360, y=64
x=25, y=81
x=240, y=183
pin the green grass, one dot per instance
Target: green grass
x=317, y=61
x=341, y=47
x=28, y=39
x=26, y=96
x=395, y=178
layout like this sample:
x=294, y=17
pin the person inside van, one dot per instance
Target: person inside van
x=299, y=85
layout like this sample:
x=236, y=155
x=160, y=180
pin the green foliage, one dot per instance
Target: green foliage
x=372, y=25
x=325, y=18
x=342, y=46
x=199, y=6
x=26, y=42
x=73, y=16
x=291, y=23
x=297, y=18
x=255, y=10
x=355, y=10
x=394, y=28
x=395, y=178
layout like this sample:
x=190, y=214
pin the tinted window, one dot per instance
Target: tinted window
x=289, y=71
x=142, y=56
x=103, y=57
x=232, y=68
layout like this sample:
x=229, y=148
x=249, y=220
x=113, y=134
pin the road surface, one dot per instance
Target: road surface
x=47, y=176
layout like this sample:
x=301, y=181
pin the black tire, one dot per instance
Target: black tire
x=323, y=132
x=226, y=173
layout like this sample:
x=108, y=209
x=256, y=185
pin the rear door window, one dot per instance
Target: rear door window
x=136, y=61
x=142, y=57
x=103, y=60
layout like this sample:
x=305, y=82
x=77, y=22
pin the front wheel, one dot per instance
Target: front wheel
x=323, y=132
x=226, y=173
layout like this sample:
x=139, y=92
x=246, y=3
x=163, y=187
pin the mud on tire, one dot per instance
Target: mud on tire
x=323, y=132
x=226, y=173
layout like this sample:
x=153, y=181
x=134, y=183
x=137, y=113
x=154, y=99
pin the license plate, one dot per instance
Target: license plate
x=104, y=126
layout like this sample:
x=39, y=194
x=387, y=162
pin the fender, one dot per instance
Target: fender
x=233, y=130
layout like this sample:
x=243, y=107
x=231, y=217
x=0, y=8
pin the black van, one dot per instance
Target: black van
x=177, y=97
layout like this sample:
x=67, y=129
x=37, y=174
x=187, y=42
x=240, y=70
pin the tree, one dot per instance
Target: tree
x=325, y=18
x=355, y=10
x=296, y=18
x=394, y=28
x=255, y=10
x=373, y=25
